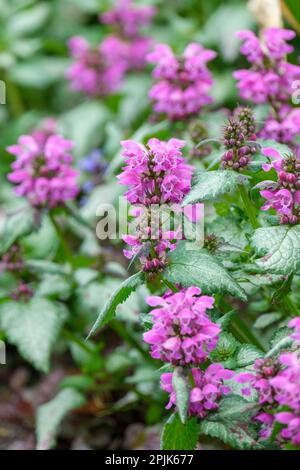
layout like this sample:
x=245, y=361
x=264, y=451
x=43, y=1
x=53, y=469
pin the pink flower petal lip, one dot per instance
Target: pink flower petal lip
x=271, y=152
x=284, y=417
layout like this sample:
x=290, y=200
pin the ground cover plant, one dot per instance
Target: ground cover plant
x=149, y=225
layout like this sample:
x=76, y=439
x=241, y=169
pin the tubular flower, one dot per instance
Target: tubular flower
x=207, y=391
x=128, y=20
x=96, y=71
x=158, y=178
x=283, y=195
x=182, y=332
x=42, y=170
x=183, y=83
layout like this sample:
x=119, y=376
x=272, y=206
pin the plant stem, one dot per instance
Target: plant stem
x=73, y=338
x=77, y=216
x=170, y=285
x=249, y=208
x=242, y=329
x=123, y=333
x=65, y=246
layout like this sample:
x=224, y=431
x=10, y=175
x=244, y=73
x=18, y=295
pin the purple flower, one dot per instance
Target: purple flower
x=156, y=174
x=283, y=195
x=208, y=388
x=128, y=18
x=183, y=83
x=270, y=80
x=97, y=71
x=295, y=324
x=42, y=171
x=182, y=332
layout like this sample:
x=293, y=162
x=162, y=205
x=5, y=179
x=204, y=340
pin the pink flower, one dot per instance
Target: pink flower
x=183, y=84
x=42, y=171
x=97, y=71
x=207, y=391
x=295, y=324
x=182, y=332
x=270, y=80
x=128, y=17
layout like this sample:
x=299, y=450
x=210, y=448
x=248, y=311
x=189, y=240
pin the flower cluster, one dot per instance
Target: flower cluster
x=156, y=175
x=96, y=71
x=183, y=83
x=277, y=383
x=283, y=195
x=42, y=170
x=23, y=292
x=128, y=20
x=239, y=130
x=182, y=332
x=206, y=392
x=270, y=80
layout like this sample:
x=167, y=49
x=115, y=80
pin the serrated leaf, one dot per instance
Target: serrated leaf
x=50, y=415
x=189, y=266
x=33, y=327
x=146, y=321
x=209, y=185
x=235, y=407
x=279, y=341
x=238, y=435
x=247, y=354
x=118, y=297
x=226, y=347
x=280, y=246
x=181, y=388
x=16, y=225
x=266, y=319
x=179, y=436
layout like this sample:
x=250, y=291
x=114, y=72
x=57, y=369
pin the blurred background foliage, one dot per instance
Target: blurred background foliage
x=111, y=378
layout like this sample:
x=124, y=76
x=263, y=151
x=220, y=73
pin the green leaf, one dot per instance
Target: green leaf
x=226, y=347
x=181, y=388
x=39, y=72
x=29, y=21
x=189, y=266
x=238, y=435
x=266, y=319
x=247, y=354
x=50, y=415
x=179, y=436
x=225, y=320
x=33, y=327
x=235, y=408
x=85, y=124
x=118, y=297
x=281, y=148
x=279, y=341
x=280, y=247
x=16, y=226
x=209, y=185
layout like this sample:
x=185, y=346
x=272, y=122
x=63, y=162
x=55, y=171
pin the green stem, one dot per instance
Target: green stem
x=77, y=216
x=74, y=339
x=129, y=339
x=170, y=285
x=65, y=246
x=244, y=332
x=289, y=307
x=249, y=208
